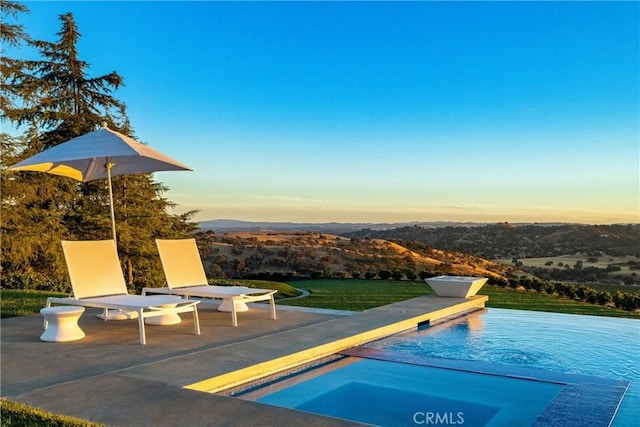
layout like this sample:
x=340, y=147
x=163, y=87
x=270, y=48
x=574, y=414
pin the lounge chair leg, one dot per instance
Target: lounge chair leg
x=273, y=308
x=196, y=321
x=143, y=339
x=234, y=314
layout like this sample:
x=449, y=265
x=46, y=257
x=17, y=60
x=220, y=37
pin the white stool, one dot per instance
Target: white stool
x=61, y=323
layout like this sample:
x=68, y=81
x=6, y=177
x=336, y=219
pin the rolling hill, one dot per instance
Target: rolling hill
x=313, y=254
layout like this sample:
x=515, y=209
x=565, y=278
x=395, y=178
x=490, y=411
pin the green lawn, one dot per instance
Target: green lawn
x=15, y=303
x=355, y=294
x=351, y=294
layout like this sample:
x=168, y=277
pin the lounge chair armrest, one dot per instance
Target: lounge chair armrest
x=263, y=293
x=251, y=298
x=60, y=300
x=162, y=290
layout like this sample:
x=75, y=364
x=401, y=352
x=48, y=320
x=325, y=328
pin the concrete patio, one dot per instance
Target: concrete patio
x=108, y=377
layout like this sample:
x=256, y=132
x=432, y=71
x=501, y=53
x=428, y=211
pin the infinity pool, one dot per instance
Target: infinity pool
x=494, y=367
x=587, y=345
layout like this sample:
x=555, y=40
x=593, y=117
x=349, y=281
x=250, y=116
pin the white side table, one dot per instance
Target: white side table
x=61, y=323
x=225, y=305
x=165, y=319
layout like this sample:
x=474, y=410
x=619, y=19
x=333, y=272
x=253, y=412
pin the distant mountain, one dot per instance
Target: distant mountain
x=228, y=225
x=491, y=241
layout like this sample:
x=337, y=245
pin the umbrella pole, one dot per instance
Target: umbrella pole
x=109, y=165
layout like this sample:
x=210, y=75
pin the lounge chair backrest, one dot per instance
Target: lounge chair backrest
x=94, y=268
x=181, y=263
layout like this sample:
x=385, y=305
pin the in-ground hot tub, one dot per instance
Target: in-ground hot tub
x=456, y=286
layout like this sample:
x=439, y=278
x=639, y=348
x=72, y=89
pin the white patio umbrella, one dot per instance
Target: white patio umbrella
x=100, y=154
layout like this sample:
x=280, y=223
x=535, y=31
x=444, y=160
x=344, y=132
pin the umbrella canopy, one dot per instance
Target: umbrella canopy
x=85, y=158
x=100, y=154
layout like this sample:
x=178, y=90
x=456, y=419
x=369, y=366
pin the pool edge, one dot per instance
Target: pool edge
x=407, y=313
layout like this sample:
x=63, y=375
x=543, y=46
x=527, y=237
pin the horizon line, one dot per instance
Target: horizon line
x=413, y=222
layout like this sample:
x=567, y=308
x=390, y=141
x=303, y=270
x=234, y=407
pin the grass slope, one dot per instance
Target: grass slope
x=15, y=303
x=355, y=294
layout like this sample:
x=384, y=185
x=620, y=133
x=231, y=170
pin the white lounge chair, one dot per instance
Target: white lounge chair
x=186, y=277
x=97, y=281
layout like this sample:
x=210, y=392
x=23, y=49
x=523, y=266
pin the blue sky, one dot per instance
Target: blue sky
x=378, y=111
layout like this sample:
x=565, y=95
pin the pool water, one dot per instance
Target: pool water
x=587, y=345
x=493, y=367
x=399, y=394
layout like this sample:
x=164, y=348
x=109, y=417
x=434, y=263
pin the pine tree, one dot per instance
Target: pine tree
x=31, y=229
x=11, y=35
x=58, y=102
x=60, y=99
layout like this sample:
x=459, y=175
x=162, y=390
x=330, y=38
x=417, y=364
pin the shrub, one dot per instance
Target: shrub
x=536, y=285
x=384, y=274
x=566, y=290
x=547, y=288
x=611, y=268
x=581, y=292
x=591, y=297
x=397, y=275
x=27, y=281
x=625, y=301
x=525, y=283
x=424, y=275
x=498, y=281
x=603, y=298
